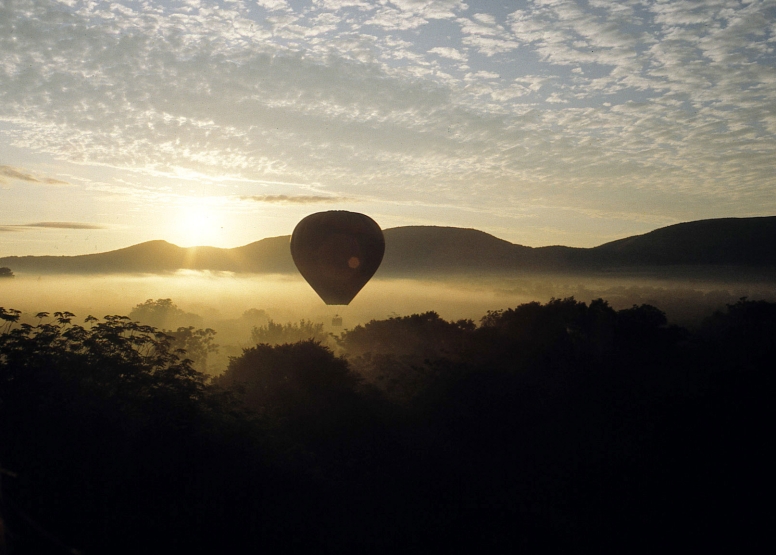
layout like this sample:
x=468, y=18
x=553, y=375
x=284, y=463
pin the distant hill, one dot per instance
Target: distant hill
x=728, y=241
x=266, y=256
x=422, y=250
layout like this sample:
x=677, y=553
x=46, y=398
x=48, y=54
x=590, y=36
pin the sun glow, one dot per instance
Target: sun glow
x=198, y=222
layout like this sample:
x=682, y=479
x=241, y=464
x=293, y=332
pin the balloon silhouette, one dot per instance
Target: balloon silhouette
x=337, y=252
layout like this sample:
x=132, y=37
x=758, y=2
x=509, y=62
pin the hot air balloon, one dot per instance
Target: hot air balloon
x=337, y=252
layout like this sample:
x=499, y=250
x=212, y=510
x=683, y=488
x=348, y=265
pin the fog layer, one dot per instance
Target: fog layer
x=219, y=297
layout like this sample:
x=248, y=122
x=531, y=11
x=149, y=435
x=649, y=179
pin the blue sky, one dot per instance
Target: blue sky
x=541, y=122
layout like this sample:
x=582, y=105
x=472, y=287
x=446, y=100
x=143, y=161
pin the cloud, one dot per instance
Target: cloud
x=66, y=225
x=273, y=5
x=22, y=175
x=431, y=9
x=399, y=100
x=336, y=5
x=450, y=53
x=296, y=199
x=486, y=35
x=402, y=15
x=14, y=173
x=51, y=225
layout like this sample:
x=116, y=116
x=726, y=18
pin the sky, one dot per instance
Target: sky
x=223, y=122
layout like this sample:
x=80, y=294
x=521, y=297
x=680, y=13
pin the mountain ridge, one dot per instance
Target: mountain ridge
x=421, y=250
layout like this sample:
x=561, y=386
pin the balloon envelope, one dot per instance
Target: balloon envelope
x=337, y=252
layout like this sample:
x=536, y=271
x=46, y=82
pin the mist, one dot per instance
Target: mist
x=220, y=300
x=436, y=412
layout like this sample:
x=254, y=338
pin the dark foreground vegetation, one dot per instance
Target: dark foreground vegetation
x=544, y=427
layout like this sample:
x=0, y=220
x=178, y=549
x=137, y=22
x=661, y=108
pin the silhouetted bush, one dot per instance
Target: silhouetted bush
x=310, y=394
x=117, y=443
x=744, y=336
x=545, y=428
x=277, y=334
x=195, y=344
x=164, y=314
x=395, y=354
x=419, y=335
x=298, y=382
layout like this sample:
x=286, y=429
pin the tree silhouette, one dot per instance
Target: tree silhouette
x=277, y=334
x=394, y=354
x=163, y=314
x=546, y=427
x=197, y=344
x=9, y=318
x=421, y=335
x=82, y=410
x=6, y=272
x=302, y=383
x=744, y=333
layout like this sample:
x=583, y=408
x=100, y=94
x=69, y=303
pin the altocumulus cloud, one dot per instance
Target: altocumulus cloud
x=592, y=105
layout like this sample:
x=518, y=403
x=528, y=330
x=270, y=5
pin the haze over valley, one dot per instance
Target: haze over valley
x=707, y=245
x=554, y=222
x=688, y=271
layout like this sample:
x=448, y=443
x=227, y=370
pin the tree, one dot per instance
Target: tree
x=197, y=344
x=107, y=428
x=742, y=337
x=419, y=335
x=254, y=315
x=6, y=272
x=277, y=334
x=396, y=355
x=116, y=356
x=303, y=385
x=163, y=314
x=9, y=317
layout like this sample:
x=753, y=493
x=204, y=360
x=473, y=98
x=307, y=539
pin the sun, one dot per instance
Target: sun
x=197, y=222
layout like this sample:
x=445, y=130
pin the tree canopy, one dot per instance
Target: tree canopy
x=545, y=427
x=163, y=313
x=274, y=333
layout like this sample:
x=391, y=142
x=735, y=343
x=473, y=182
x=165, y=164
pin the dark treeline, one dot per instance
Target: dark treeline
x=558, y=426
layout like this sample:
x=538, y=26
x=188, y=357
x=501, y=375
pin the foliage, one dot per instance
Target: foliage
x=546, y=427
x=197, y=344
x=570, y=332
x=163, y=314
x=277, y=334
x=532, y=332
x=314, y=401
x=393, y=354
x=296, y=381
x=748, y=330
x=115, y=357
x=6, y=272
x=88, y=410
x=9, y=318
x=254, y=315
x=420, y=335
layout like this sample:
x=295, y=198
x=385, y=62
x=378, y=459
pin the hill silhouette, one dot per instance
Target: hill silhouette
x=266, y=256
x=729, y=241
x=423, y=250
